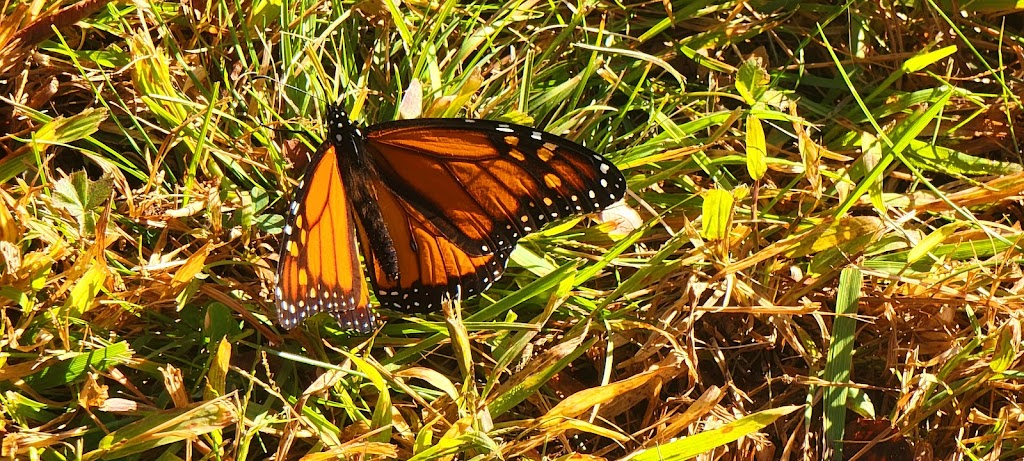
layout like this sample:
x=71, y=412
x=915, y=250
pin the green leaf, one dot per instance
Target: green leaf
x=16, y=295
x=930, y=157
x=859, y=402
x=220, y=322
x=1006, y=352
x=706, y=441
x=531, y=261
x=705, y=61
x=872, y=148
x=82, y=197
x=63, y=130
x=73, y=367
x=59, y=130
x=640, y=56
x=752, y=80
x=382, y=410
x=111, y=57
x=920, y=61
x=23, y=409
x=506, y=303
x=840, y=356
x=449, y=446
x=901, y=136
x=165, y=427
x=424, y=439
x=528, y=382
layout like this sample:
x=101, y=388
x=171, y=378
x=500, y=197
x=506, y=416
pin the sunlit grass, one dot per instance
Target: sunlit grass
x=828, y=248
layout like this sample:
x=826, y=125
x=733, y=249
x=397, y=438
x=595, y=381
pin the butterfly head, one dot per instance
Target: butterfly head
x=338, y=123
x=336, y=117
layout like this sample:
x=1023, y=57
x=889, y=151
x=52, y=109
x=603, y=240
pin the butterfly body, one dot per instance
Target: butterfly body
x=436, y=206
x=359, y=175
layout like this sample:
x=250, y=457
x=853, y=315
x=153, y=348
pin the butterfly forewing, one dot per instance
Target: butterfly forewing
x=485, y=184
x=319, y=269
x=462, y=192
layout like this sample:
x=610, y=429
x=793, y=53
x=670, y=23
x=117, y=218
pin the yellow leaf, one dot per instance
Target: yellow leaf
x=8, y=229
x=191, y=268
x=433, y=378
x=717, y=211
x=838, y=233
x=85, y=290
x=757, y=148
x=218, y=370
x=583, y=426
x=872, y=154
x=931, y=241
x=574, y=405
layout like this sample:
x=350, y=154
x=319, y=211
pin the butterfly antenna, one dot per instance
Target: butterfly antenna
x=303, y=132
x=289, y=86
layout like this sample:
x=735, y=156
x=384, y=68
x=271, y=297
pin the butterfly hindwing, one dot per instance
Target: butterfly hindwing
x=319, y=268
x=431, y=267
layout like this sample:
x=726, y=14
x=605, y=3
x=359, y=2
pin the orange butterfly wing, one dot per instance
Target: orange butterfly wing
x=457, y=195
x=318, y=269
x=438, y=205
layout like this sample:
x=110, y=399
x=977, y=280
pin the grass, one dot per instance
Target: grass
x=827, y=262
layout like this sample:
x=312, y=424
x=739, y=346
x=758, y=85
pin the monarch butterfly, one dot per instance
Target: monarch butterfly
x=437, y=205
